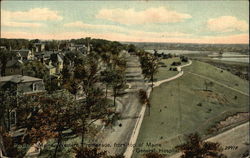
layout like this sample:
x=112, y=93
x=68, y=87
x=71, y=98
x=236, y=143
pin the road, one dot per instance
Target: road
x=129, y=151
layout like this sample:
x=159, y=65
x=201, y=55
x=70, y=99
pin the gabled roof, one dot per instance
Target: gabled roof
x=18, y=79
x=59, y=58
x=49, y=66
x=22, y=52
x=14, y=62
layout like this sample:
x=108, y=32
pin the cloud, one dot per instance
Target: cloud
x=227, y=24
x=28, y=18
x=21, y=24
x=151, y=15
x=132, y=32
x=79, y=24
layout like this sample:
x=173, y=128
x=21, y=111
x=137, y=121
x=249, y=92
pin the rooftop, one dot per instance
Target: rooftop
x=18, y=79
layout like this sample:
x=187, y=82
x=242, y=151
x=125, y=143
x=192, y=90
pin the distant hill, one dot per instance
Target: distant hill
x=241, y=48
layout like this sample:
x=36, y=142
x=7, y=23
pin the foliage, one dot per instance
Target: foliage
x=184, y=59
x=85, y=152
x=143, y=96
x=9, y=149
x=47, y=116
x=196, y=147
x=35, y=69
x=208, y=84
x=149, y=64
x=5, y=56
x=8, y=102
x=153, y=155
x=176, y=63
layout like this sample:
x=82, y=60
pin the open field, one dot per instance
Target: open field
x=182, y=106
x=164, y=72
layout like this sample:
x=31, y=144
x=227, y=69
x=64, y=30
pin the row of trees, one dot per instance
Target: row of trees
x=47, y=116
x=149, y=65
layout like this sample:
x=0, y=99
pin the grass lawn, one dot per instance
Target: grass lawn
x=215, y=73
x=182, y=106
x=164, y=72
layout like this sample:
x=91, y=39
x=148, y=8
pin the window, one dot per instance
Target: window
x=35, y=87
x=13, y=118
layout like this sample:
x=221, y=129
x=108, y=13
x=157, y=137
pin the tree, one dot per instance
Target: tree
x=94, y=104
x=117, y=83
x=7, y=145
x=47, y=116
x=208, y=84
x=149, y=64
x=132, y=48
x=8, y=104
x=35, y=69
x=144, y=99
x=5, y=56
x=196, y=147
x=85, y=152
x=106, y=78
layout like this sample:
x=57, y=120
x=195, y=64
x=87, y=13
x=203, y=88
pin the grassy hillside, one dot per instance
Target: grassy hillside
x=164, y=72
x=182, y=106
x=219, y=75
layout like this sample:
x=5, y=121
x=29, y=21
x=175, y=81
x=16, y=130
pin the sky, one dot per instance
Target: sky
x=132, y=21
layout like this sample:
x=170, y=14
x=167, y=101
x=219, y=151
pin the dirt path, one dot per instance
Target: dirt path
x=174, y=77
x=219, y=83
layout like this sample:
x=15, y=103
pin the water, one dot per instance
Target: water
x=226, y=56
x=179, y=52
x=243, y=60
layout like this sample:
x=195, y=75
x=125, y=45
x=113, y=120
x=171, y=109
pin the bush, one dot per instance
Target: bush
x=199, y=104
x=184, y=59
x=176, y=63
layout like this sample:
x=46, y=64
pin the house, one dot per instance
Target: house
x=24, y=54
x=51, y=70
x=44, y=56
x=79, y=47
x=20, y=85
x=39, y=47
x=14, y=67
x=57, y=61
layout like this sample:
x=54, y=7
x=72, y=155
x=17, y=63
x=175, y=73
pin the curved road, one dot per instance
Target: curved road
x=129, y=151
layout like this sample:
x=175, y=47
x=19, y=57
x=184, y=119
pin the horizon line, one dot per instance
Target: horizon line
x=129, y=41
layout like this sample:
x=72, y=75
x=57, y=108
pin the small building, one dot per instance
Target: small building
x=39, y=47
x=44, y=56
x=14, y=67
x=57, y=61
x=24, y=54
x=51, y=70
x=22, y=84
x=3, y=48
x=79, y=47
